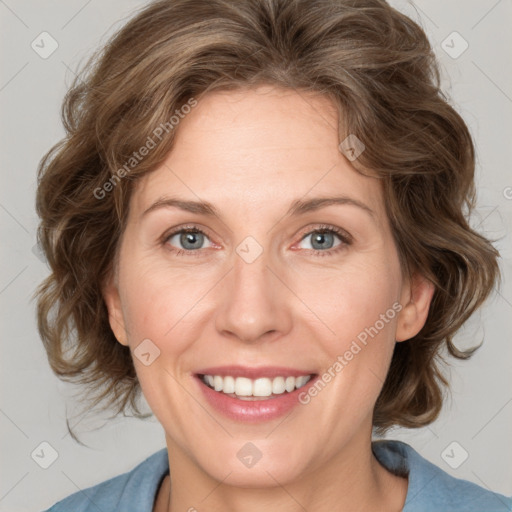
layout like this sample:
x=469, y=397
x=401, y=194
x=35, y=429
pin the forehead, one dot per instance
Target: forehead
x=257, y=149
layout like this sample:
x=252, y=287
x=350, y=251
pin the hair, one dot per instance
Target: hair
x=378, y=68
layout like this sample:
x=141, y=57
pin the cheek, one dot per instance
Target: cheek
x=364, y=320
x=360, y=307
x=359, y=304
x=353, y=297
x=160, y=304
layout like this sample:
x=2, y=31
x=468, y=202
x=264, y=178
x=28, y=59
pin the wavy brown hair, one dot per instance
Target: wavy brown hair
x=377, y=66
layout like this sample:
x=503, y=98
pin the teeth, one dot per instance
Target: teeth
x=263, y=387
x=290, y=384
x=228, y=385
x=300, y=381
x=218, y=383
x=243, y=386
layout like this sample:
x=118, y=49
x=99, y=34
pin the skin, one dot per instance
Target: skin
x=252, y=153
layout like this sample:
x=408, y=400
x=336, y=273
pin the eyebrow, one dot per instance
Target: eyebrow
x=298, y=207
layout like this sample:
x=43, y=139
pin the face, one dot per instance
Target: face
x=268, y=287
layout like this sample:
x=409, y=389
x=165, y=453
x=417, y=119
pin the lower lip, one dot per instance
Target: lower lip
x=253, y=411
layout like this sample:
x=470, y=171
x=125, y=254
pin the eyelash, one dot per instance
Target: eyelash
x=345, y=238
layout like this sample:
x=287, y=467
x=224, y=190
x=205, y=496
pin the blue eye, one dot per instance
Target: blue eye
x=323, y=239
x=189, y=241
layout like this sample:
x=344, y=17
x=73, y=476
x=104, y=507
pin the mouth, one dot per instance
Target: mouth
x=253, y=394
x=263, y=388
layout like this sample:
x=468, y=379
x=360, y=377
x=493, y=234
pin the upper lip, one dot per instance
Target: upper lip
x=254, y=372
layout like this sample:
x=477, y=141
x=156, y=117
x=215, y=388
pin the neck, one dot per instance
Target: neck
x=350, y=480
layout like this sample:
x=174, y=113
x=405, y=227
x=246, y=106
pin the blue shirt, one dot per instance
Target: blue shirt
x=430, y=488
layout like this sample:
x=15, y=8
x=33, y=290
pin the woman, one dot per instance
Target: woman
x=213, y=147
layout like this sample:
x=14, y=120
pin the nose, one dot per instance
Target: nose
x=254, y=303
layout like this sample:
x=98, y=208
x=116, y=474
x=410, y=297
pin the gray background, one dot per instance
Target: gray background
x=33, y=401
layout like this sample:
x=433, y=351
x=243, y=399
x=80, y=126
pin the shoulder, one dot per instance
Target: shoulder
x=431, y=488
x=134, y=490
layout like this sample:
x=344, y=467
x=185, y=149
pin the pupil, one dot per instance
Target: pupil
x=320, y=238
x=191, y=238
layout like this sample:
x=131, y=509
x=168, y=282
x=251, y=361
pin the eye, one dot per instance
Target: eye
x=191, y=239
x=323, y=240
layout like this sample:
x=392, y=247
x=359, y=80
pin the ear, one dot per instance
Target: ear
x=110, y=292
x=416, y=297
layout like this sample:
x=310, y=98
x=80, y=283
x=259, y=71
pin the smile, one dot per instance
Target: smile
x=250, y=395
x=244, y=388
